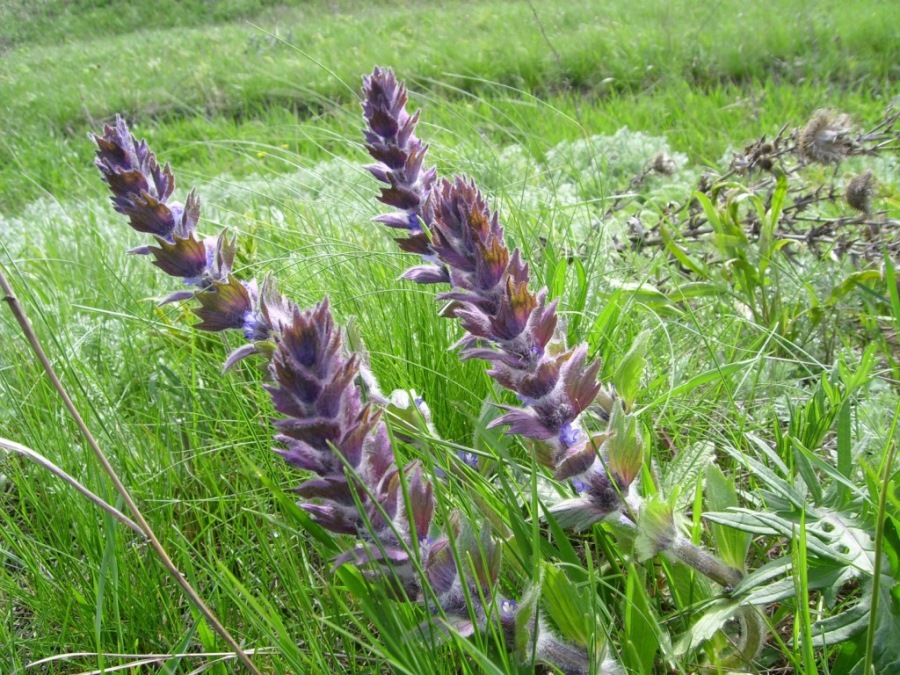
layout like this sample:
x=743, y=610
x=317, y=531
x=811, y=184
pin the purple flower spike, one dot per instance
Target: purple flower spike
x=400, y=155
x=325, y=428
x=507, y=324
x=140, y=187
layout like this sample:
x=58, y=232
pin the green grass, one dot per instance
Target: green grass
x=269, y=132
x=305, y=61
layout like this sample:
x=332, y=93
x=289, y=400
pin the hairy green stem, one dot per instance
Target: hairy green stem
x=692, y=555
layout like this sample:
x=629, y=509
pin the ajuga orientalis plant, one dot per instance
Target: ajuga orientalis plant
x=326, y=429
x=384, y=511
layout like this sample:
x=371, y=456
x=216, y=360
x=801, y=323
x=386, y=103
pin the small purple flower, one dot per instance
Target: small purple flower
x=468, y=458
x=568, y=435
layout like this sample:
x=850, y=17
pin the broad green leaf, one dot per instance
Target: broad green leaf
x=709, y=623
x=655, y=529
x=569, y=607
x=732, y=545
x=850, y=283
x=694, y=289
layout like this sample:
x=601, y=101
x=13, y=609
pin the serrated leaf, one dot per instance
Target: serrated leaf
x=686, y=468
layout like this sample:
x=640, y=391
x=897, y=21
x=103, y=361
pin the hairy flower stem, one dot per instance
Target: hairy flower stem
x=687, y=552
x=10, y=298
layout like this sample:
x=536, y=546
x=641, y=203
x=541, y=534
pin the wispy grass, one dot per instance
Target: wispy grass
x=272, y=139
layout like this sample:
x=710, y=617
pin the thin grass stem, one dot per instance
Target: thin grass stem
x=10, y=298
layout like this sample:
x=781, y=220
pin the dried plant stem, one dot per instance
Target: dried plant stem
x=45, y=463
x=11, y=299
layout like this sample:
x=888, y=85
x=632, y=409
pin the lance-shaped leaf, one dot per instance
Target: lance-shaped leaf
x=627, y=378
x=624, y=451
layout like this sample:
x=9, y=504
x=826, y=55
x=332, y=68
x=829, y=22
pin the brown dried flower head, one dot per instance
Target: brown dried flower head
x=663, y=164
x=826, y=138
x=859, y=192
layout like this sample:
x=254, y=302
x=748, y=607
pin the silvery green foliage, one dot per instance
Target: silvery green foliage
x=607, y=161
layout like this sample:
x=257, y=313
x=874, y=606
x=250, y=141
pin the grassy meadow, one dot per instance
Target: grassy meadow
x=779, y=365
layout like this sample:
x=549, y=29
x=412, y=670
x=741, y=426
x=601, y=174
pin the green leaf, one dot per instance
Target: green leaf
x=557, y=285
x=851, y=282
x=709, y=623
x=627, y=378
x=525, y=616
x=655, y=529
x=646, y=294
x=686, y=468
x=890, y=279
x=642, y=630
x=694, y=289
x=681, y=255
x=624, y=449
x=732, y=545
x=578, y=303
x=719, y=373
x=569, y=607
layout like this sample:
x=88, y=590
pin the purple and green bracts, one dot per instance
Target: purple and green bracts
x=507, y=325
x=515, y=331
x=325, y=428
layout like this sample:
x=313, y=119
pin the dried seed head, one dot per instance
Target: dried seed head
x=860, y=191
x=826, y=137
x=663, y=164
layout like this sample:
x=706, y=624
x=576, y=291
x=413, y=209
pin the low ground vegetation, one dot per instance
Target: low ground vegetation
x=715, y=214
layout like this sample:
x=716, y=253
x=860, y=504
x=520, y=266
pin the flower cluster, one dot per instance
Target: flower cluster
x=507, y=324
x=399, y=155
x=141, y=190
x=358, y=488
